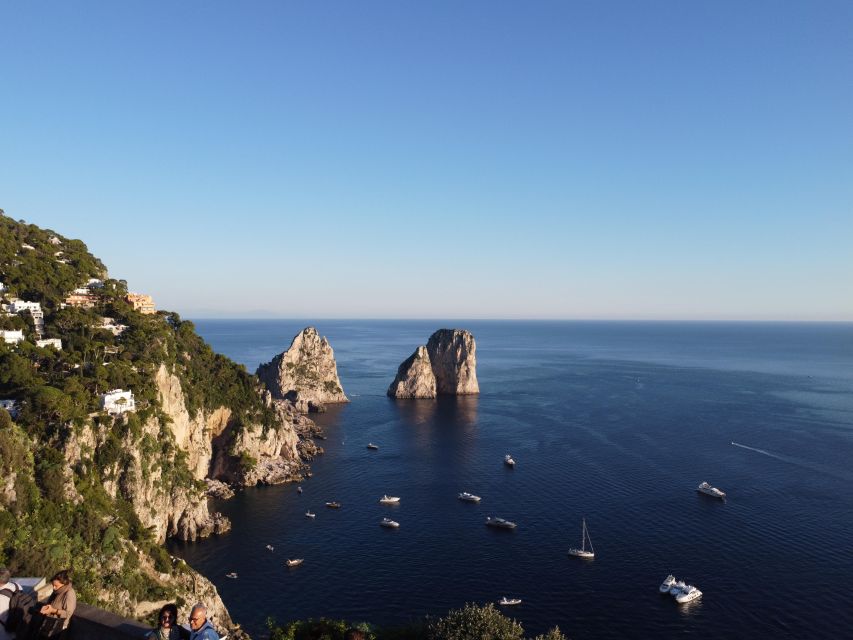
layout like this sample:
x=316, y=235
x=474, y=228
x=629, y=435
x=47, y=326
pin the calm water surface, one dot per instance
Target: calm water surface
x=615, y=422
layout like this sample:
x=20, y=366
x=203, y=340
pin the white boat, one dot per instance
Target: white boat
x=583, y=552
x=508, y=461
x=508, y=602
x=295, y=562
x=389, y=500
x=391, y=524
x=372, y=446
x=232, y=575
x=298, y=489
x=688, y=594
x=677, y=587
x=500, y=523
x=468, y=497
x=666, y=585
x=333, y=505
x=270, y=548
x=308, y=514
x=708, y=490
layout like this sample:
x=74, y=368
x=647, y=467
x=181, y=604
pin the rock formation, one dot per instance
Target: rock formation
x=305, y=374
x=446, y=366
x=414, y=377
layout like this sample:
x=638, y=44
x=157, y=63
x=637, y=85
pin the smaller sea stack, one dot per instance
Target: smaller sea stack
x=447, y=365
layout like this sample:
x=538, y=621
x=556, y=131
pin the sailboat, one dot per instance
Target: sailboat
x=583, y=552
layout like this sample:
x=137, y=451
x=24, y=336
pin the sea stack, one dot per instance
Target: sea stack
x=305, y=374
x=446, y=366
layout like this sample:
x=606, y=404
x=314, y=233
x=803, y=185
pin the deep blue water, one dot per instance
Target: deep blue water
x=615, y=422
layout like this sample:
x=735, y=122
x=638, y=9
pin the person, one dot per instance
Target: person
x=200, y=625
x=6, y=585
x=167, y=625
x=61, y=603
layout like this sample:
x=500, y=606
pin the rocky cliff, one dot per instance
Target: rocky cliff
x=447, y=365
x=306, y=374
x=415, y=378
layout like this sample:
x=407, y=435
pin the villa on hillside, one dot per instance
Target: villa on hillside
x=56, y=343
x=11, y=406
x=110, y=325
x=54, y=240
x=141, y=302
x=12, y=336
x=81, y=297
x=116, y=402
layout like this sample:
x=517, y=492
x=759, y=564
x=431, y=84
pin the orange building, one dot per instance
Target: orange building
x=141, y=302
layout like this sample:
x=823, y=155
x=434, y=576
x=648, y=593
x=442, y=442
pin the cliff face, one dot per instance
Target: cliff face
x=415, y=378
x=447, y=365
x=453, y=354
x=306, y=374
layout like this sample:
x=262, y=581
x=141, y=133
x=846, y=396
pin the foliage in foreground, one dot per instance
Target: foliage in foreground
x=472, y=622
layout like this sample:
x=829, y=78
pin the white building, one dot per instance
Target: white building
x=117, y=401
x=95, y=283
x=11, y=406
x=12, y=337
x=19, y=306
x=54, y=240
x=110, y=325
x=2, y=287
x=56, y=343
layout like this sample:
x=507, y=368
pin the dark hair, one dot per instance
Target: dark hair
x=171, y=608
x=62, y=576
x=354, y=634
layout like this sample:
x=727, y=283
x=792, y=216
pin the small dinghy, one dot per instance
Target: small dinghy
x=298, y=489
x=270, y=547
x=295, y=562
x=508, y=461
x=333, y=505
x=372, y=446
x=308, y=514
x=232, y=575
x=508, y=602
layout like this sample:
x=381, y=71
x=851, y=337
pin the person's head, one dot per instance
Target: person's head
x=60, y=579
x=198, y=616
x=355, y=634
x=5, y=575
x=168, y=616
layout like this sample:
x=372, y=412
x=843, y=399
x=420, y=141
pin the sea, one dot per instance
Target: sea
x=614, y=422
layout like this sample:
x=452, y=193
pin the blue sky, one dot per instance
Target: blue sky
x=637, y=160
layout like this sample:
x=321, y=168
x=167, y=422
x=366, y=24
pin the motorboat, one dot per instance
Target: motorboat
x=298, y=489
x=708, y=490
x=295, y=562
x=500, y=523
x=391, y=524
x=372, y=446
x=333, y=505
x=308, y=514
x=232, y=575
x=688, y=594
x=508, y=461
x=583, y=552
x=677, y=587
x=468, y=497
x=666, y=585
x=270, y=548
x=389, y=500
x=508, y=602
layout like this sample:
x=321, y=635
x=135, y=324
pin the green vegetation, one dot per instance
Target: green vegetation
x=473, y=622
x=76, y=472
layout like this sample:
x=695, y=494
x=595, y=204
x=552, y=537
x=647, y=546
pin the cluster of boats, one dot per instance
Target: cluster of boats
x=680, y=590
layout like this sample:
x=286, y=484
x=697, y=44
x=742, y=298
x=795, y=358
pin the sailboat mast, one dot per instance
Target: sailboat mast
x=583, y=534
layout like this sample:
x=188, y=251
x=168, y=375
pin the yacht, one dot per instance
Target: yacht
x=507, y=602
x=583, y=552
x=391, y=524
x=333, y=505
x=508, y=461
x=372, y=446
x=232, y=575
x=708, y=490
x=688, y=594
x=308, y=514
x=666, y=585
x=500, y=523
x=677, y=587
x=270, y=547
x=389, y=500
x=468, y=497
x=295, y=562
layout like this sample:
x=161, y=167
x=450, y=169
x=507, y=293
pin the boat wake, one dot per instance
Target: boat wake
x=763, y=452
x=795, y=461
